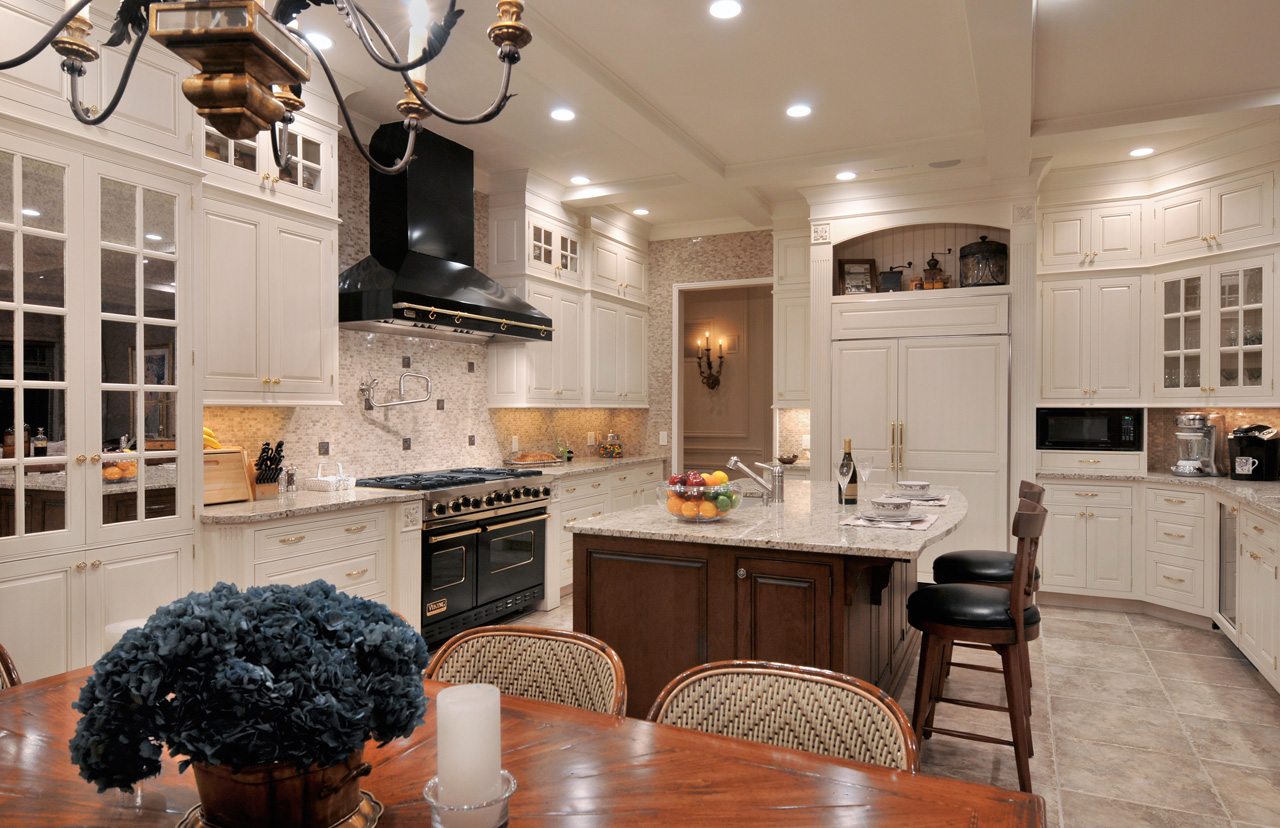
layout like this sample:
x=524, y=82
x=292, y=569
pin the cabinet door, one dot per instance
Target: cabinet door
x=1064, y=340
x=606, y=266
x=1181, y=331
x=784, y=612
x=42, y=614
x=235, y=300
x=568, y=349
x=791, y=262
x=864, y=399
x=1062, y=549
x=302, y=323
x=1242, y=346
x=1183, y=222
x=1064, y=238
x=1115, y=234
x=127, y=583
x=541, y=248
x=1115, y=338
x=606, y=338
x=1109, y=549
x=543, y=356
x=1257, y=596
x=791, y=338
x=1243, y=209
x=312, y=171
x=634, y=281
x=633, y=359
x=569, y=258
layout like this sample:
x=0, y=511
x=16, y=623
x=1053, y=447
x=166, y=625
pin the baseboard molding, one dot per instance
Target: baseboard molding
x=1062, y=599
x=566, y=590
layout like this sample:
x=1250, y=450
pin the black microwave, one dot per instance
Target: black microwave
x=1089, y=429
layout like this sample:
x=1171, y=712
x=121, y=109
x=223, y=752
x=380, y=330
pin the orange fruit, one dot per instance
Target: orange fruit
x=112, y=473
x=689, y=510
x=708, y=509
x=674, y=505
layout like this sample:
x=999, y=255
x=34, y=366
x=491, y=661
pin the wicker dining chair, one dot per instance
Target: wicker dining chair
x=8, y=670
x=794, y=707
x=536, y=663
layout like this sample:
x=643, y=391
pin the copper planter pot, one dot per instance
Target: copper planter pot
x=280, y=795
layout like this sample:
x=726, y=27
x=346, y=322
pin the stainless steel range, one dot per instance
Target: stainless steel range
x=483, y=544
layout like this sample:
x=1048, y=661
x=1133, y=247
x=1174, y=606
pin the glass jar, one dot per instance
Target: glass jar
x=984, y=263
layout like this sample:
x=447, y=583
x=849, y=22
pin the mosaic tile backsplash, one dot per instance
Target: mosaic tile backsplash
x=793, y=425
x=1162, y=446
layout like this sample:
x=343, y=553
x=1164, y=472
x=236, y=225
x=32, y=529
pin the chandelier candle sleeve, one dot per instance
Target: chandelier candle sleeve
x=418, y=26
x=469, y=744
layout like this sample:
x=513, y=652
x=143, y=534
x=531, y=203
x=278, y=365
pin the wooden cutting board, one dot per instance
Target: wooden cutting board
x=226, y=476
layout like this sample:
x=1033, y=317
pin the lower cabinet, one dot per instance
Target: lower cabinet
x=1258, y=597
x=61, y=612
x=582, y=497
x=1088, y=546
x=783, y=611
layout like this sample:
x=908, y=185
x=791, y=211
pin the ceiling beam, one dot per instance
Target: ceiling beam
x=1000, y=43
x=591, y=195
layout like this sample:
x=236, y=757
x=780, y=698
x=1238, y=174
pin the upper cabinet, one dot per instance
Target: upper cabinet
x=308, y=181
x=1211, y=219
x=1091, y=237
x=619, y=354
x=791, y=331
x=526, y=242
x=542, y=374
x=1090, y=335
x=618, y=269
x=271, y=308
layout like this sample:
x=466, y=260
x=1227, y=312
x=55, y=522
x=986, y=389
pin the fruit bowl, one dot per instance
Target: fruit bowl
x=700, y=504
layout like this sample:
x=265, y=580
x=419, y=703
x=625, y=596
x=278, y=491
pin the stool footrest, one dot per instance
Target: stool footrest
x=981, y=667
x=970, y=645
x=974, y=737
x=970, y=703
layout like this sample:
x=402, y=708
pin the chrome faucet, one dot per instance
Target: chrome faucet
x=772, y=490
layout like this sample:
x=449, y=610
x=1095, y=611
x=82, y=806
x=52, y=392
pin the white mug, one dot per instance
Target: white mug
x=1246, y=465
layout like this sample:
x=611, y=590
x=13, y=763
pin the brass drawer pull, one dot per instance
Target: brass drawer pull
x=1173, y=579
x=597, y=514
x=1173, y=535
x=356, y=573
x=622, y=477
x=570, y=489
x=475, y=530
x=1175, y=500
x=570, y=521
x=520, y=522
x=1259, y=529
x=1086, y=494
x=292, y=539
x=596, y=485
x=355, y=530
x=1090, y=461
x=1255, y=556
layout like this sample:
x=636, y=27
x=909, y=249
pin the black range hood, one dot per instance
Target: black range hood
x=420, y=279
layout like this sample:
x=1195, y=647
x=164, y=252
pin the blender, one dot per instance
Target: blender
x=1198, y=451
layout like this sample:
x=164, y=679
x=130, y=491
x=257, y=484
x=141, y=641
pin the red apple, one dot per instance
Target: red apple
x=676, y=480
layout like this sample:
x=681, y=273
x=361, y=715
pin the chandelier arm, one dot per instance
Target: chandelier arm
x=359, y=21
x=411, y=123
x=77, y=108
x=282, y=159
x=47, y=38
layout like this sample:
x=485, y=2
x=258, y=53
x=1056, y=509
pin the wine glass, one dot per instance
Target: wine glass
x=843, y=474
x=866, y=463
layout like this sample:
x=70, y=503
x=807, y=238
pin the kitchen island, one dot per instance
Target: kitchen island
x=780, y=583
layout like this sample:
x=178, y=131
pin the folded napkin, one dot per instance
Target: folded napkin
x=868, y=522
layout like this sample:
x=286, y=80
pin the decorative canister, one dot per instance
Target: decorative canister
x=611, y=447
x=984, y=263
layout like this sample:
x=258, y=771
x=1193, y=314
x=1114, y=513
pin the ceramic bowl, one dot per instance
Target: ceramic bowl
x=890, y=506
x=915, y=487
x=700, y=504
x=788, y=459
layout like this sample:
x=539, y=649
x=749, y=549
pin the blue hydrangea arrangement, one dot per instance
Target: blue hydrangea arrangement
x=304, y=675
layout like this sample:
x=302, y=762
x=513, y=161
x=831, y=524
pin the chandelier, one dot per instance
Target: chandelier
x=251, y=65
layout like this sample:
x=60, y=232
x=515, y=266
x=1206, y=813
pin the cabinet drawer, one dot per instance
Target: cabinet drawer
x=636, y=476
x=358, y=570
x=583, y=509
x=1101, y=462
x=295, y=538
x=581, y=487
x=1175, y=579
x=1260, y=529
x=1181, y=535
x=1084, y=495
x=1175, y=500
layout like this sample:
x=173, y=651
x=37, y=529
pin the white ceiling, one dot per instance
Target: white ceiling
x=684, y=114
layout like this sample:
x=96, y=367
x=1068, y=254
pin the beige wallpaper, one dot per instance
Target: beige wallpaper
x=1162, y=446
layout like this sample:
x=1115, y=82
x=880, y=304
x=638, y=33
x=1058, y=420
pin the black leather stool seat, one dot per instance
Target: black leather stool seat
x=965, y=605
x=968, y=565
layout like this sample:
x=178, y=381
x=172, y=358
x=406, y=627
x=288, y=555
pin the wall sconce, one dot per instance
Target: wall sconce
x=710, y=376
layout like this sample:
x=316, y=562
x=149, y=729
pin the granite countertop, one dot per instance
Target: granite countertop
x=582, y=465
x=1261, y=497
x=807, y=522
x=302, y=503
x=162, y=476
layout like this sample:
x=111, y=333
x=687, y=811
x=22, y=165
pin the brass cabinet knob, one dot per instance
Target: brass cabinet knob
x=95, y=458
x=95, y=564
x=81, y=567
x=742, y=574
x=275, y=380
x=80, y=458
x=266, y=380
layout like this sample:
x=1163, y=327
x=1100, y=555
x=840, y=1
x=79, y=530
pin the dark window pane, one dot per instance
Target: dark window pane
x=45, y=408
x=6, y=266
x=44, y=347
x=159, y=366
x=46, y=496
x=6, y=345
x=160, y=497
x=42, y=271
x=119, y=278
x=158, y=222
x=8, y=501
x=119, y=424
x=119, y=357
x=159, y=283
x=6, y=187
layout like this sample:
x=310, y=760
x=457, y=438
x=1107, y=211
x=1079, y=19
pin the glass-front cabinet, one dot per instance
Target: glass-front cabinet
x=1215, y=328
x=310, y=175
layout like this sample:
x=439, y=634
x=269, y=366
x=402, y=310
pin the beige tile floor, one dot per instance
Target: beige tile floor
x=1137, y=722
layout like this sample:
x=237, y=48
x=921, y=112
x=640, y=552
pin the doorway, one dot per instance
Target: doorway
x=723, y=407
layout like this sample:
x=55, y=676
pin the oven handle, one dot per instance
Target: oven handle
x=514, y=523
x=437, y=538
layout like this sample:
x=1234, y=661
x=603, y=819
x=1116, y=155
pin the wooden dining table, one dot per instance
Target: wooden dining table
x=572, y=767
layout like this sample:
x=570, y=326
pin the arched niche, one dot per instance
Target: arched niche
x=913, y=243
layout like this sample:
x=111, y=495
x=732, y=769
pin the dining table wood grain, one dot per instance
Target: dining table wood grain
x=572, y=767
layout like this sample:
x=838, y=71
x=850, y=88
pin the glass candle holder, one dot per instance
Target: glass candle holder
x=491, y=814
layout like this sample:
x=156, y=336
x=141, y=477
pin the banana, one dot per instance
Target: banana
x=211, y=443
x=208, y=432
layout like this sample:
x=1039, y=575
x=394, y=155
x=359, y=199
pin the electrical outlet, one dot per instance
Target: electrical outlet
x=591, y=438
x=405, y=362
x=804, y=441
x=662, y=438
x=471, y=439
x=439, y=405
x=471, y=367
x=515, y=443
x=406, y=443
x=324, y=449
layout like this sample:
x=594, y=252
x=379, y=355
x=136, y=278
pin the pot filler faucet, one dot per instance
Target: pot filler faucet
x=772, y=491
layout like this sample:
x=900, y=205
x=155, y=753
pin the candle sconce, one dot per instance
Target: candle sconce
x=710, y=376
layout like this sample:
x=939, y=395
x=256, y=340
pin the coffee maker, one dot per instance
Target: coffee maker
x=1255, y=453
x=1200, y=444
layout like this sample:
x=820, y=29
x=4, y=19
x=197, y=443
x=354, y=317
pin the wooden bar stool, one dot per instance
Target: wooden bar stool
x=8, y=670
x=1004, y=619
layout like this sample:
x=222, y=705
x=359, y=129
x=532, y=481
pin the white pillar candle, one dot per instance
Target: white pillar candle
x=469, y=744
x=418, y=26
x=71, y=4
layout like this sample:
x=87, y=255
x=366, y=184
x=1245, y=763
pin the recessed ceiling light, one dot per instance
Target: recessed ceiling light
x=1141, y=152
x=725, y=9
x=30, y=212
x=563, y=114
x=153, y=237
x=320, y=41
x=580, y=180
x=846, y=175
x=640, y=211
x=799, y=110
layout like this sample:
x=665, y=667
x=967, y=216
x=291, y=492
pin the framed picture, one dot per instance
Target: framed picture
x=854, y=276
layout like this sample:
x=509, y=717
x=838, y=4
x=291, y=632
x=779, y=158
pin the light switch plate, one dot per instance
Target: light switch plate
x=591, y=438
x=804, y=441
x=406, y=443
x=515, y=443
x=662, y=438
x=324, y=449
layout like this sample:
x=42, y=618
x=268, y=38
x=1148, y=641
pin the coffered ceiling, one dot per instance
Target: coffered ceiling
x=684, y=114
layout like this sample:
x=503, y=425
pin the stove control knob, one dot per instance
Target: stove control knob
x=506, y=497
x=456, y=505
x=528, y=492
x=489, y=499
x=516, y=493
x=440, y=509
x=476, y=503
x=546, y=491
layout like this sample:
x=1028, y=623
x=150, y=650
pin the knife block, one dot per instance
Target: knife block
x=266, y=491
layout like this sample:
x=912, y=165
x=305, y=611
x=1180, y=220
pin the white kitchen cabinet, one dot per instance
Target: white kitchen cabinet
x=791, y=338
x=309, y=181
x=1183, y=222
x=582, y=497
x=618, y=269
x=1206, y=220
x=1258, y=597
x=1091, y=237
x=1214, y=326
x=1088, y=547
x=1063, y=547
x=544, y=374
x=618, y=355
x=271, y=310
x=524, y=242
x=1090, y=339
x=791, y=262
x=130, y=582
x=931, y=409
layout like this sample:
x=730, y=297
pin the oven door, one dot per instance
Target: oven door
x=1089, y=429
x=511, y=555
x=448, y=571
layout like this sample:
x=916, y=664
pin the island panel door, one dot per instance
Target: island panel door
x=784, y=611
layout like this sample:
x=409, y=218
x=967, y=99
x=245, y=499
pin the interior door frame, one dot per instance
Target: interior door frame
x=677, y=339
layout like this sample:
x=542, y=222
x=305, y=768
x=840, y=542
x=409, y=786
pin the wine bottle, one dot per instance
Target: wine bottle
x=848, y=492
